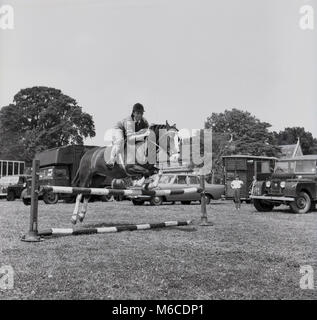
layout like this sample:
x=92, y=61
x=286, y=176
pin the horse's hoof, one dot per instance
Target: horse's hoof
x=73, y=220
x=81, y=217
x=146, y=186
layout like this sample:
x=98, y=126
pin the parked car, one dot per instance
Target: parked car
x=176, y=181
x=4, y=183
x=14, y=191
x=11, y=186
x=294, y=183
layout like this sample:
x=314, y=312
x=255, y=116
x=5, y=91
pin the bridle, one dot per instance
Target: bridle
x=167, y=133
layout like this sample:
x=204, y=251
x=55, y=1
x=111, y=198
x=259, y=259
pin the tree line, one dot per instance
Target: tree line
x=41, y=118
x=239, y=132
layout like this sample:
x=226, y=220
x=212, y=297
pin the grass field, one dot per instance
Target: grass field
x=245, y=255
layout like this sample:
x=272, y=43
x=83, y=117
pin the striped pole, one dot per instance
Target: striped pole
x=116, y=192
x=71, y=231
x=32, y=235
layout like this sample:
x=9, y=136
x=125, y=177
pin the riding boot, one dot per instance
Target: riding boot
x=111, y=162
x=147, y=183
x=110, y=165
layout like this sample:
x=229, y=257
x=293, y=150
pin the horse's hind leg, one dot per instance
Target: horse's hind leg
x=76, y=209
x=85, y=182
x=83, y=211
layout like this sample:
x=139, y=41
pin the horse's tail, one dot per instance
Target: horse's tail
x=75, y=181
x=83, y=161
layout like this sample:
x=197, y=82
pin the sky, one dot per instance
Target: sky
x=183, y=60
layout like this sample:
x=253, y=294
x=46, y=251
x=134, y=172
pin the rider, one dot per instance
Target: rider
x=133, y=128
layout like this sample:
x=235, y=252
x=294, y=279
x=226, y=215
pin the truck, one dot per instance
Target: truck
x=293, y=183
x=12, y=186
x=17, y=185
x=58, y=167
x=248, y=168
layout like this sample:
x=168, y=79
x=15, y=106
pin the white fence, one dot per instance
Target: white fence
x=11, y=167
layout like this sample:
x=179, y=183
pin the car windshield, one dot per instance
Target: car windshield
x=46, y=173
x=306, y=166
x=193, y=180
x=60, y=173
x=299, y=166
x=283, y=167
x=181, y=180
x=166, y=179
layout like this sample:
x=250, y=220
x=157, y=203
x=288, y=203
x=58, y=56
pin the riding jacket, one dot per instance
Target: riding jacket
x=130, y=127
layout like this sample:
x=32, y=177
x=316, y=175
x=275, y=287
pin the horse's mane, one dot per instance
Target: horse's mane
x=157, y=127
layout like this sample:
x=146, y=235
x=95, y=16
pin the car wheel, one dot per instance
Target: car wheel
x=156, y=201
x=10, y=196
x=25, y=198
x=105, y=198
x=70, y=200
x=208, y=198
x=50, y=198
x=137, y=202
x=185, y=202
x=26, y=201
x=301, y=204
x=263, y=206
x=91, y=199
x=313, y=206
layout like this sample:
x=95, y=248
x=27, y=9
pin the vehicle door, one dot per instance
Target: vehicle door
x=61, y=176
x=194, y=182
x=166, y=182
x=180, y=182
x=20, y=186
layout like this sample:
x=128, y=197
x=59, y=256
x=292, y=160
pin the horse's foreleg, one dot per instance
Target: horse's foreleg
x=139, y=183
x=76, y=209
x=147, y=182
x=83, y=209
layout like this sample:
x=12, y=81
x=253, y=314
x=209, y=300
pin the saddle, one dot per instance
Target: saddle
x=124, y=157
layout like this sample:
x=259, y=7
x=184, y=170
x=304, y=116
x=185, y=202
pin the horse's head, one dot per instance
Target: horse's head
x=172, y=133
x=167, y=137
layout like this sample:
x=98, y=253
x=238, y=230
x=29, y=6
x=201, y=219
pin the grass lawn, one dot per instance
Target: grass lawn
x=245, y=255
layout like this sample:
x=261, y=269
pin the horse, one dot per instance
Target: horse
x=93, y=169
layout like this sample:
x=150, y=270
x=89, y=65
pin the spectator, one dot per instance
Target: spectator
x=236, y=186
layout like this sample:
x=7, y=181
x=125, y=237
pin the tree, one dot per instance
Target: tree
x=41, y=118
x=290, y=136
x=238, y=132
x=248, y=135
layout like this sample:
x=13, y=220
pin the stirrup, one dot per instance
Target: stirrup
x=110, y=165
